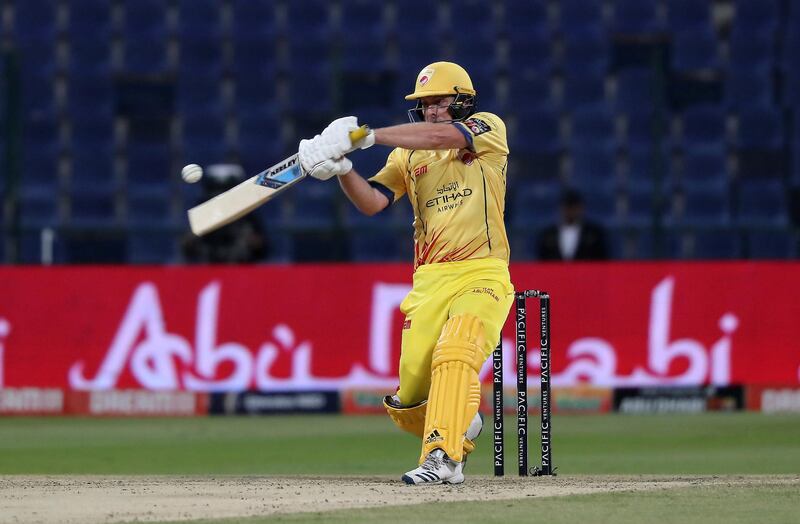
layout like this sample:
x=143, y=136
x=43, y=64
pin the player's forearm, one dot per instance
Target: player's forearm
x=421, y=135
x=366, y=198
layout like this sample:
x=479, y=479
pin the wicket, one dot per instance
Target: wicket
x=521, y=326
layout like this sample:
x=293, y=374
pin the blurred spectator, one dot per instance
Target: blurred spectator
x=240, y=242
x=794, y=206
x=573, y=237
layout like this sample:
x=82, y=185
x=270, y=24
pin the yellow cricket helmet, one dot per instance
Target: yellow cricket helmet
x=444, y=79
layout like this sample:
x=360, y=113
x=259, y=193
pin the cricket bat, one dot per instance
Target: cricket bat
x=253, y=192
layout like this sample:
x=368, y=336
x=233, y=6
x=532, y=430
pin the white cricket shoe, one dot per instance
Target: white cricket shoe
x=436, y=469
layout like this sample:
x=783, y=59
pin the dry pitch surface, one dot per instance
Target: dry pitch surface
x=108, y=499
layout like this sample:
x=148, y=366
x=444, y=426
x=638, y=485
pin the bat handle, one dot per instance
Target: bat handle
x=358, y=134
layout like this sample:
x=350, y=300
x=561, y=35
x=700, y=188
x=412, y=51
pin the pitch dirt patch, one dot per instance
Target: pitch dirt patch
x=107, y=499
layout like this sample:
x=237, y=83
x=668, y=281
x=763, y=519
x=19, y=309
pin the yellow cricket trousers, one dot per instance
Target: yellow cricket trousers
x=480, y=287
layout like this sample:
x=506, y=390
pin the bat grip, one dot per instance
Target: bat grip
x=358, y=134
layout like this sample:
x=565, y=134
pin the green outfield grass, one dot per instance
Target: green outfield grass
x=679, y=445
x=679, y=506
x=740, y=443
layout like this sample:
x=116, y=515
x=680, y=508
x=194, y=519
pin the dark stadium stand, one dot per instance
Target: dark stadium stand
x=678, y=120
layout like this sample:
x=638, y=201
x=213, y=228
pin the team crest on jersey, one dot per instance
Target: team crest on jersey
x=477, y=126
x=467, y=156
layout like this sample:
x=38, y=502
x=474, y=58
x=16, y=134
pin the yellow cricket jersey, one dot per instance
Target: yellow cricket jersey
x=458, y=196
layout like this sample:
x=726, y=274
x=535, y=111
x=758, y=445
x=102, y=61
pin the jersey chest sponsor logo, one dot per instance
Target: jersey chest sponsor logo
x=449, y=196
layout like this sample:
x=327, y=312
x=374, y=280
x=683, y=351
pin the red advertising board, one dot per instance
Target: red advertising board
x=113, y=402
x=280, y=328
x=774, y=399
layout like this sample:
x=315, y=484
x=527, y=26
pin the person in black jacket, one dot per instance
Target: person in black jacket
x=573, y=237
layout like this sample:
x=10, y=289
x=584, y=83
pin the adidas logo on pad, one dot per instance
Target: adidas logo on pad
x=434, y=437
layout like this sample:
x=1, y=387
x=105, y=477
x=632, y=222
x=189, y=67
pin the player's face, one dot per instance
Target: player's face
x=436, y=108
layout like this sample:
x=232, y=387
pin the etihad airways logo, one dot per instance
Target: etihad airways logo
x=450, y=196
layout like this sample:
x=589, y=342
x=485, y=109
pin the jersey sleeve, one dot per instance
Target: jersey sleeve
x=485, y=132
x=390, y=179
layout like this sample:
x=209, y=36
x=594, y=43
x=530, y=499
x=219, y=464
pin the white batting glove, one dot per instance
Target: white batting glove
x=316, y=151
x=367, y=141
x=331, y=168
x=338, y=135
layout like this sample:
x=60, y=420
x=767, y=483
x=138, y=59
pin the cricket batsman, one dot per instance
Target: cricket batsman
x=451, y=163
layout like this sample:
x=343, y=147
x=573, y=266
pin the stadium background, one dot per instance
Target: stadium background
x=677, y=119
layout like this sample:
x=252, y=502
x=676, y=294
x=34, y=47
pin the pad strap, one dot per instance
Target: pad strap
x=412, y=419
